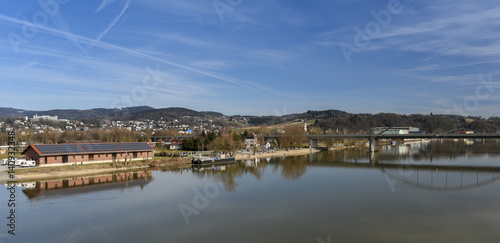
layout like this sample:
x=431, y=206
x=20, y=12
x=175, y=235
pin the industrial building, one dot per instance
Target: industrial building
x=85, y=153
x=396, y=130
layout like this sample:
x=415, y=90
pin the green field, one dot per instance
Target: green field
x=6, y=155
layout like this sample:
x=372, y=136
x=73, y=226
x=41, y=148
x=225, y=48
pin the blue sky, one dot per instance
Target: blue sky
x=252, y=57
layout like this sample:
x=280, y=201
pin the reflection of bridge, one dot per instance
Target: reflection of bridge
x=443, y=180
x=431, y=177
x=430, y=167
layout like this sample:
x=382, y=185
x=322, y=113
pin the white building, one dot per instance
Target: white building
x=36, y=117
x=251, y=141
x=395, y=130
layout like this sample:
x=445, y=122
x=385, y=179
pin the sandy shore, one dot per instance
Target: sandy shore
x=279, y=153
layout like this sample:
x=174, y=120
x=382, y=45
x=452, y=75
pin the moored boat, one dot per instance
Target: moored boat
x=211, y=160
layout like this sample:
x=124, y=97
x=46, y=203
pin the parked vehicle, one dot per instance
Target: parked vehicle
x=28, y=163
x=4, y=161
x=27, y=185
x=19, y=161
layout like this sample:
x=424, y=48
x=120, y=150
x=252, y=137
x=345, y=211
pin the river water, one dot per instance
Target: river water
x=423, y=192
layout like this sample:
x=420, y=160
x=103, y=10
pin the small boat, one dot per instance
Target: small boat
x=211, y=160
x=217, y=166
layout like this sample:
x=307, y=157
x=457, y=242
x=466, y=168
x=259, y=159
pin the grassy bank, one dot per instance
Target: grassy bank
x=6, y=155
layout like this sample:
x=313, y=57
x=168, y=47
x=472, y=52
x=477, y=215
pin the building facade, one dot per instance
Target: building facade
x=173, y=143
x=251, y=141
x=395, y=130
x=85, y=153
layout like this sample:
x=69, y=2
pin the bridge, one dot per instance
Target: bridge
x=372, y=138
x=163, y=138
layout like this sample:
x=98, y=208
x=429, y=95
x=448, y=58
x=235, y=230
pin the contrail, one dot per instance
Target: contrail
x=104, y=45
x=115, y=20
x=103, y=5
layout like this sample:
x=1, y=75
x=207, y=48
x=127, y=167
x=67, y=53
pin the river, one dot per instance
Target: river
x=441, y=191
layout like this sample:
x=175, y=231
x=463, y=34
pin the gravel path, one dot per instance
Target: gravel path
x=4, y=176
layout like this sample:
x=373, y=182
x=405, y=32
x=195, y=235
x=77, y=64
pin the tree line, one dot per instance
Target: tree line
x=72, y=136
x=364, y=123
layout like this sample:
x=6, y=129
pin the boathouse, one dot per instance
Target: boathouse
x=86, y=153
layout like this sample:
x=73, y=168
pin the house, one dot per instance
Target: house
x=173, y=144
x=251, y=141
x=86, y=153
x=267, y=146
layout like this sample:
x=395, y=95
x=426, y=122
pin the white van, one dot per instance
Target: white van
x=19, y=162
x=28, y=163
x=27, y=185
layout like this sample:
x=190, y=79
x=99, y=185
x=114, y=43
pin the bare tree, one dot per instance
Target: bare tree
x=293, y=136
x=225, y=143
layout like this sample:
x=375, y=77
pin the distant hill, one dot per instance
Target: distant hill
x=340, y=121
x=127, y=113
x=309, y=115
x=166, y=114
x=11, y=112
x=72, y=114
x=327, y=120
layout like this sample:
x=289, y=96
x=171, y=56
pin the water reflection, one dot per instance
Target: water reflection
x=69, y=186
x=345, y=194
x=443, y=180
x=437, y=165
x=292, y=168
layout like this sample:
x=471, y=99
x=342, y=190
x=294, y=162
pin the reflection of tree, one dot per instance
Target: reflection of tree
x=231, y=173
x=293, y=167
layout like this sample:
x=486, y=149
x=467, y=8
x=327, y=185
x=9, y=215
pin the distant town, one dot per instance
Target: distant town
x=186, y=125
x=140, y=124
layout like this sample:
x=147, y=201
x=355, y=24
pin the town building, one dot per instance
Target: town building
x=251, y=141
x=86, y=153
x=173, y=143
x=395, y=130
x=36, y=117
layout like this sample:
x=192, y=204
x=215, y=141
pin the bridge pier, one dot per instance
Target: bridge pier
x=373, y=145
x=374, y=159
x=313, y=143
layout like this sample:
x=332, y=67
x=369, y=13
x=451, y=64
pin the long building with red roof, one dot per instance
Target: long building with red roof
x=85, y=153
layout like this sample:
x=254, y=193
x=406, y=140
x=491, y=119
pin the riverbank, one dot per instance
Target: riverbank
x=44, y=173
x=279, y=153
